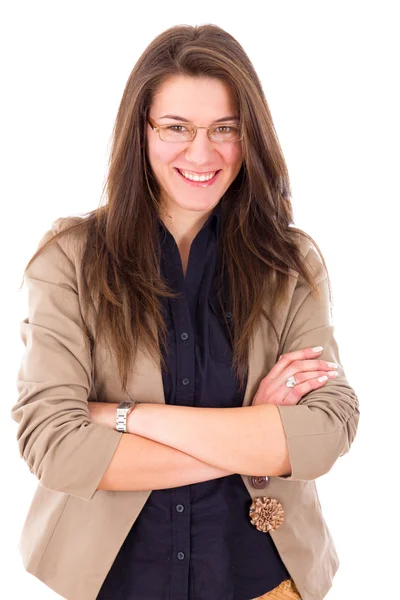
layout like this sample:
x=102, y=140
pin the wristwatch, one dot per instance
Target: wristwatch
x=123, y=409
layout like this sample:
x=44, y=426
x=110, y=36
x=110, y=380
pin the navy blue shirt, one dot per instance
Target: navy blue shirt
x=196, y=542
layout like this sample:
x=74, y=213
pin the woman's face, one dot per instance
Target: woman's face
x=202, y=101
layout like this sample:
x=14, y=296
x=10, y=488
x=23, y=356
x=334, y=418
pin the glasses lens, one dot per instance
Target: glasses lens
x=225, y=133
x=176, y=133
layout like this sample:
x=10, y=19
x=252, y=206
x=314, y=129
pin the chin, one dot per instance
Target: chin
x=197, y=206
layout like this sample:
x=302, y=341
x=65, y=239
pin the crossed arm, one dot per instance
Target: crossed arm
x=182, y=444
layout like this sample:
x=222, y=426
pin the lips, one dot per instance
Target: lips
x=195, y=173
x=194, y=183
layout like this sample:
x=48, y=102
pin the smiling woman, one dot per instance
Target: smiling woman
x=176, y=454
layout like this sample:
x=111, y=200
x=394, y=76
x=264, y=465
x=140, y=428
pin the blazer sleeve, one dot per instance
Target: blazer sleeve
x=323, y=425
x=62, y=447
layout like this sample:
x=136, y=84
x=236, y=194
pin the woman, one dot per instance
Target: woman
x=191, y=293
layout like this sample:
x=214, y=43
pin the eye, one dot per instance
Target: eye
x=176, y=128
x=226, y=129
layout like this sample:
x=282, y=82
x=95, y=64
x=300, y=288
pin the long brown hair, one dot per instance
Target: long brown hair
x=120, y=261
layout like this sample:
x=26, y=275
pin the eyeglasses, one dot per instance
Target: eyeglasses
x=186, y=132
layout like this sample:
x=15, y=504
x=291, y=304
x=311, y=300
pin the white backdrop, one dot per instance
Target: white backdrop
x=330, y=74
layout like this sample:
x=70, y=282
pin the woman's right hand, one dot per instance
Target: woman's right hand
x=304, y=367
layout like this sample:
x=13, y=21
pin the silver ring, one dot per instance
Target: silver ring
x=291, y=382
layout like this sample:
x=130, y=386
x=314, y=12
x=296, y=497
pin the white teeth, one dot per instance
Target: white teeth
x=197, y=177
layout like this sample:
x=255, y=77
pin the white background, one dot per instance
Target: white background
x=330, y=75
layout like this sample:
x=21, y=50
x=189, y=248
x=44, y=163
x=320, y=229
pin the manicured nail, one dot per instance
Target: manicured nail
x=317, y=349
x=332, y=364
x=333, y=373
x=322, y=378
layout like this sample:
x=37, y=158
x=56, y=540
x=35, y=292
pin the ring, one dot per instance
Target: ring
x=291, y=382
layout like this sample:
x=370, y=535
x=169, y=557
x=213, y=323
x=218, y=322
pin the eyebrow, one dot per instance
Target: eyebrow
x=182, y=119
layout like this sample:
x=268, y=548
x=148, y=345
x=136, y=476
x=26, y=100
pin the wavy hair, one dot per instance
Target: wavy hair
x=257, y=247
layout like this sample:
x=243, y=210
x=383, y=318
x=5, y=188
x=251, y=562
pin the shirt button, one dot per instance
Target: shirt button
x=180, y=508
x=180, y=555
x=185, y=381
x=184, y=336
x=228, y=315
x=259, y=482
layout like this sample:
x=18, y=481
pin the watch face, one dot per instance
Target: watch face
x=125, y=404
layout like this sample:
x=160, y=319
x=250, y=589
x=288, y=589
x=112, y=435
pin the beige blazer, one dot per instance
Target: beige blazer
x=72, y=532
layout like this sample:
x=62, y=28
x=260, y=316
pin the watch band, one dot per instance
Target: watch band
x=123, y=409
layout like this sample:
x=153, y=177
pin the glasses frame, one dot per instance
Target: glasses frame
x=157, y=127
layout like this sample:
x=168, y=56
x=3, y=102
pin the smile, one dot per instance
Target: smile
x=200, y=180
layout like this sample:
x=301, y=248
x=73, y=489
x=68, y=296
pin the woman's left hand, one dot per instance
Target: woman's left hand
x=307, y=372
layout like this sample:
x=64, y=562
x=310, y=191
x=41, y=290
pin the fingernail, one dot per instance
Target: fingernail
x=317, y=349
x=332, y=364
x=322, y=378
x=333, y=373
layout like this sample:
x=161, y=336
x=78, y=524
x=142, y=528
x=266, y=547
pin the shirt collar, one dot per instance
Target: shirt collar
x=215, y=217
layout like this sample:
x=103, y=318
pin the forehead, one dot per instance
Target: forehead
x=194, y=98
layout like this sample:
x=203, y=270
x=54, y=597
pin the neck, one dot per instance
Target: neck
x=184, y=225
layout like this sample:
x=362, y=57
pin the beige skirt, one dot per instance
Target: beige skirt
x=285, y=591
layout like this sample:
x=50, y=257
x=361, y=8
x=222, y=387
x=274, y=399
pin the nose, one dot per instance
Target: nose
x=200, y=151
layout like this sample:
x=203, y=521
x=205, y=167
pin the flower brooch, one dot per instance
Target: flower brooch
x=266, y=513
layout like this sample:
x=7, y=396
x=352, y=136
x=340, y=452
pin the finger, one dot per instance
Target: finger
x=280, y=382
x=303, y=366
x=298, y=391
x=309, y=350
x=286, y=359
x=299, y=366
x=302, y=377
x=311, y=364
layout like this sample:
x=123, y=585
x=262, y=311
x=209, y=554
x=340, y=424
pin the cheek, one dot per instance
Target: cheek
x=162, y=154
x=233, y=156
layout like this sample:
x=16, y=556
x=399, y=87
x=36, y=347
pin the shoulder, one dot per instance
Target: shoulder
x=73, y=229
x=69, y=234
x=59, y=250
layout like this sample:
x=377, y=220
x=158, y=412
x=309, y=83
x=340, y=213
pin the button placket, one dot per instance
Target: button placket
x=184, y=348
x=183, y=314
